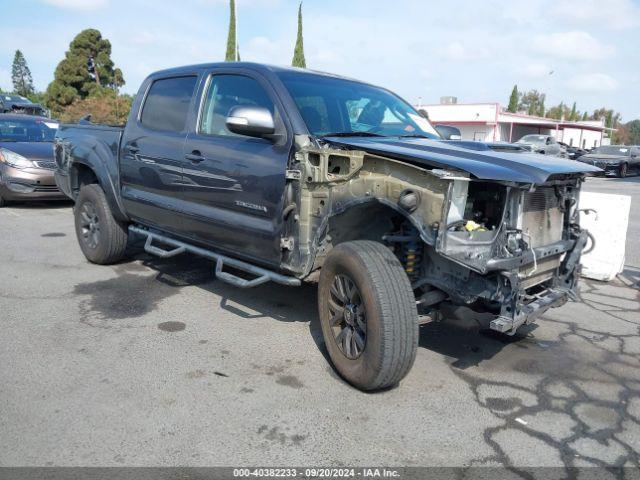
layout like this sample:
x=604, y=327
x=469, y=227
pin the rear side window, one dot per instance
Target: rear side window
x=167, y=104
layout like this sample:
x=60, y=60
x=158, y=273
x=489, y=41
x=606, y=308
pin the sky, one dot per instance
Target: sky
x=573, y=50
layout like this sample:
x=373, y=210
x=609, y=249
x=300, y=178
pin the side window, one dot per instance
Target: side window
x=167, y=104
x=224, y=93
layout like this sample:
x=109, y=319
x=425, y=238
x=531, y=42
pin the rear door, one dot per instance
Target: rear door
x=234, y=184
x=152, y=152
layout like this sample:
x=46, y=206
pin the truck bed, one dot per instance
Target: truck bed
x=88, y=145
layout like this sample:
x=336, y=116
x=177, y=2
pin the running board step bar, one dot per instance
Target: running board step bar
x=262, y=275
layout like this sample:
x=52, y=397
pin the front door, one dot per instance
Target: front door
x=152, y=153
x=234, y=184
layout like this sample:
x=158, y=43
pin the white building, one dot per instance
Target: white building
x=488, y=122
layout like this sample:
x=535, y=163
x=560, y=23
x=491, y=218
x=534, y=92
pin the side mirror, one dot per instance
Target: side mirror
x=251, y=121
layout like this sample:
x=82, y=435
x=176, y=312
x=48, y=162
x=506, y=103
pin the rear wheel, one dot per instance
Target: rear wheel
x=368, y=314
x=622, y=170
x=102, y=238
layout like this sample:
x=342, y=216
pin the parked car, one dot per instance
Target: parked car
x=544, y=144
x=573, y=152
x=19, y=104
x=448, y=132
x=296, y=176
x=619, y=160
x=26, y=159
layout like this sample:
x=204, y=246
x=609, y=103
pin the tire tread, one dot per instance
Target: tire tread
x=114, y=243
x=394, y=295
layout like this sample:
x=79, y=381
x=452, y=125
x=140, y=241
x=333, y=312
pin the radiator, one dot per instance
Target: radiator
x=541, y=219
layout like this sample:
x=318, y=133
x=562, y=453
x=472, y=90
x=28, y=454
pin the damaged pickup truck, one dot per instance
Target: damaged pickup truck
x=294, y=176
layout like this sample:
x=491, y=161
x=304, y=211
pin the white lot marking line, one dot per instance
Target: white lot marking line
x=521, y=421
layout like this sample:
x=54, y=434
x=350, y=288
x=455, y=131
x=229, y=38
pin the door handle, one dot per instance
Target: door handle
x=131, y=149
x=195, y=157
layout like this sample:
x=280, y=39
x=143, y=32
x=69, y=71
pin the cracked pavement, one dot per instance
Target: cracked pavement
x=153, y=362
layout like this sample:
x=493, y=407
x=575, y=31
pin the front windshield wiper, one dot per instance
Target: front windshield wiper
x=415, y=135
x=351, y=134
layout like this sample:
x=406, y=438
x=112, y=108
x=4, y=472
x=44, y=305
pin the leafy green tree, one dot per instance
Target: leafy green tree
x=513, y=100
x=585, y=116
x=541, y=109
x=21, y=75
x=104, y=106
x=86, y=68
x=37, y=97
x=232, y=47
x=298, y=52
x=611, y=118
x=530, y=101
x=118, y=79
x=574, y=115
x=559, y=112
x=633, y=132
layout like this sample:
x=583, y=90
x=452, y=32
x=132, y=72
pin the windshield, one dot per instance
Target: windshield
x=533, y=139
x=27, y=130
x=15, y=98
x=612, y=150
x=332, y=105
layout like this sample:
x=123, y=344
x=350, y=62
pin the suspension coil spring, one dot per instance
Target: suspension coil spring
x=412, y=253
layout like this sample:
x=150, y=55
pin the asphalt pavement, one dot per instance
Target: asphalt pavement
x=154, y=362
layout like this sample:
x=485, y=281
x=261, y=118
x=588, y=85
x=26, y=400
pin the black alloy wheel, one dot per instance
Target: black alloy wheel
x=348, y=316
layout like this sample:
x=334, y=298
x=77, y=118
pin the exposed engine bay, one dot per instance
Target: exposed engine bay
x=511, y=249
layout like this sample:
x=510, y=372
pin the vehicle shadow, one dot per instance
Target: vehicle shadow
x=463, y=336
x=270, y=300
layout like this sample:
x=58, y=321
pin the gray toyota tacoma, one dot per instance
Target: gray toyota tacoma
x=293, y=176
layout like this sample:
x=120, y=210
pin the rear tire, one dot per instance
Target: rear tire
x=622, y=170
x=372, y=334
x=102, y=238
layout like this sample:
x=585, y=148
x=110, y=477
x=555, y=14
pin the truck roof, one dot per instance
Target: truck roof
x=259, y=67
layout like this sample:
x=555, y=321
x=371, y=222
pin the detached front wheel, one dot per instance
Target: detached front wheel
x=368, y=315
x=102, y=238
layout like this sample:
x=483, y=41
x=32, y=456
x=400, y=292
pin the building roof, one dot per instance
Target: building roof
x=493, y=113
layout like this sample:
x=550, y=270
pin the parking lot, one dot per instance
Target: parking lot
x=153, y=362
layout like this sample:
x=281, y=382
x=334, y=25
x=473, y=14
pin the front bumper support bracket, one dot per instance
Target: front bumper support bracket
x=530, y=312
